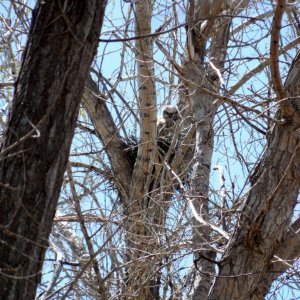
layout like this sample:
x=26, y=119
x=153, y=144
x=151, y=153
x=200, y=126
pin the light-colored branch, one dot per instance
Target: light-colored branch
x=85, y=217
x=55, y=275
x=250, y=22
x=195, y=213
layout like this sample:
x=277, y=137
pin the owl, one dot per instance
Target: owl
x=166, y=127
x=168, y=120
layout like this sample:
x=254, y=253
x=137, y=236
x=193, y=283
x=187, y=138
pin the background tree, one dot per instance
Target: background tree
x=203, y=209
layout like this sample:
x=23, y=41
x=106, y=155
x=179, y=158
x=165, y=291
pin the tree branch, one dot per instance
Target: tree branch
x=108, y=133
x=274, y=49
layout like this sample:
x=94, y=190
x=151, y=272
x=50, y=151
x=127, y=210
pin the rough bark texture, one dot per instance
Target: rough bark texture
x=287, y=253
x=267, y=212
x=61, y=45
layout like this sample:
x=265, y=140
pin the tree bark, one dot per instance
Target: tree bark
x=60, y=48
x=199, y=74
x=197, y=70
x=284, y=258
x=266, y=215
x=108, y=132
x=140, y=239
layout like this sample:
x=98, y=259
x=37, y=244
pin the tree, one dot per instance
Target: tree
x=61, y=44
x=188, y=210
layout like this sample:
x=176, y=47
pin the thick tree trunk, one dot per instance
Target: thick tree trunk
x=61, y=45
x=267, y=213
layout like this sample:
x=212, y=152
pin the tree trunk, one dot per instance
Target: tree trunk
x=60, y=48
x=140, y=240
x=266, y=215
x=199, y=74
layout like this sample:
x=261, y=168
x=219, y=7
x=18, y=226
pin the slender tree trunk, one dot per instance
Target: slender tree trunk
x=198, y=75
x=61, y=45
x=140, y=239
x=203, y=73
